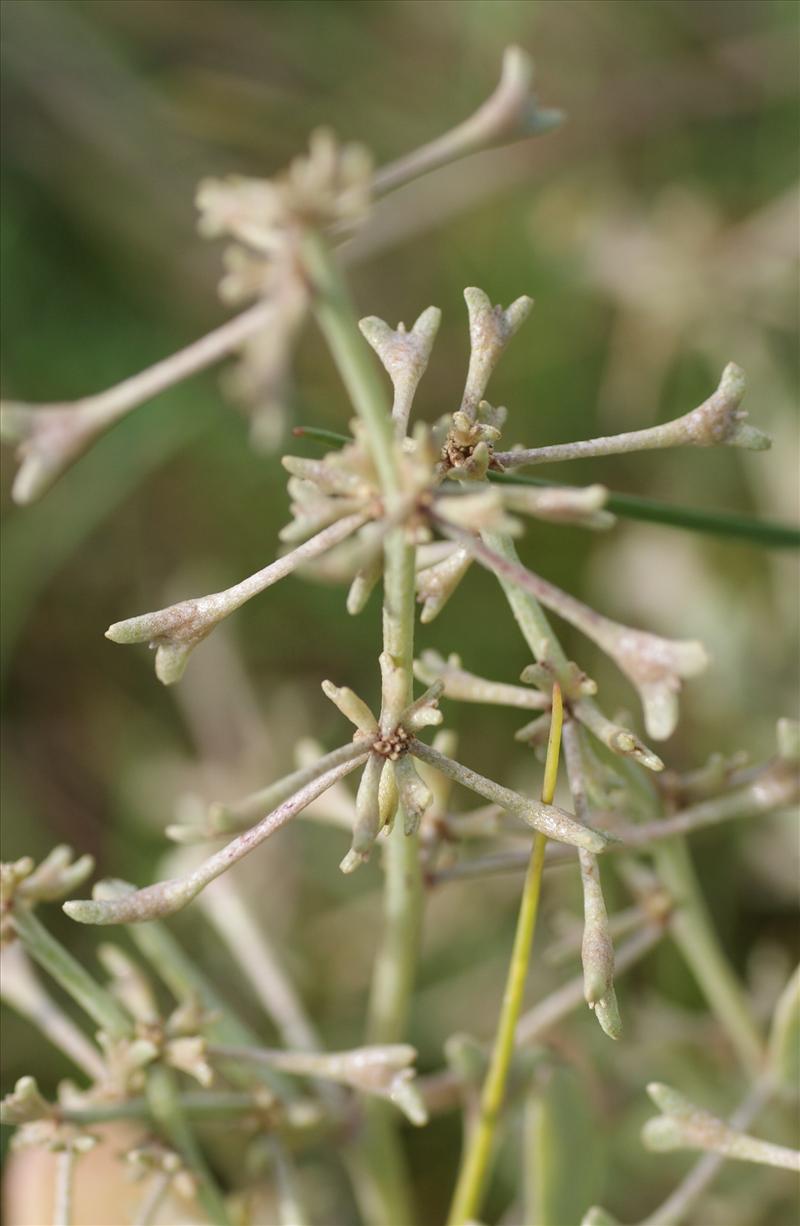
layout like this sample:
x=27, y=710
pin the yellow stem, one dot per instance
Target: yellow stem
x=474, y=1172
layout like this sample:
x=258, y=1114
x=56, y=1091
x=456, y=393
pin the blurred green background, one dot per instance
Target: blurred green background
x=657, y=232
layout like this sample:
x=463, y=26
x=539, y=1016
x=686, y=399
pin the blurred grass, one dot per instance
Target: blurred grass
x=112, y=111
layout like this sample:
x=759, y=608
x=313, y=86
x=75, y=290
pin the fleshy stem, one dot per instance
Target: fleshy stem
x=529, y=615
x=474, y=1171
x=165, y=1105
x=767, y=793
x=691, y=928
x=51, y=956
x=166, y=897
x=21, y=990
x=108, y=406
x=336, y=317
x=763, y=532
x=395, y=963
x=675, y=1208
x=196, y=1105
x=183, y=978
x=767, y=533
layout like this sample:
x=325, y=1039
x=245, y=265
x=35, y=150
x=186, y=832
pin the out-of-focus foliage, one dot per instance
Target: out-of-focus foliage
x=656, y=231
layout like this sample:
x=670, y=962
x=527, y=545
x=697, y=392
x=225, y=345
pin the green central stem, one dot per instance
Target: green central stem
x=395, y=963
x=337, y=320
x=68, y=973
x=386, y=1191
x=394, y=969
x=528, y=613
x=475, y=1167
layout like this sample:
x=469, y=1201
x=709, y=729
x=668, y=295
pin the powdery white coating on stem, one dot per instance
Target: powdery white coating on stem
x=388, y=795
x=415, y=796
x=395, y=679
x=490, y=330
x=656, y=667
x=460, y=684
x=404, y=356
x=548, y=819
x=717, y=421
x=53, y=436
x=606, y=1011
x=330, y=475
x=510, y=111
x=538, y=1020
x=568, y=943
x=560, y=505
x=238, y=815
x=351, y=706
x=384, y=1069
x=653, y=664
x=363, y=585
x=777, y=786
x=677, y=1205
x=358, y=553
x=618, y=739
x=685, y=1126
x=436, y=817
x=424, y=711
x=167, y=897
x=574, y=682
x=177, y=630
x=482, y=511
x=346, y=481
x=597, y=949
x=312, y=511
x=436, y=583
x=368, y=822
